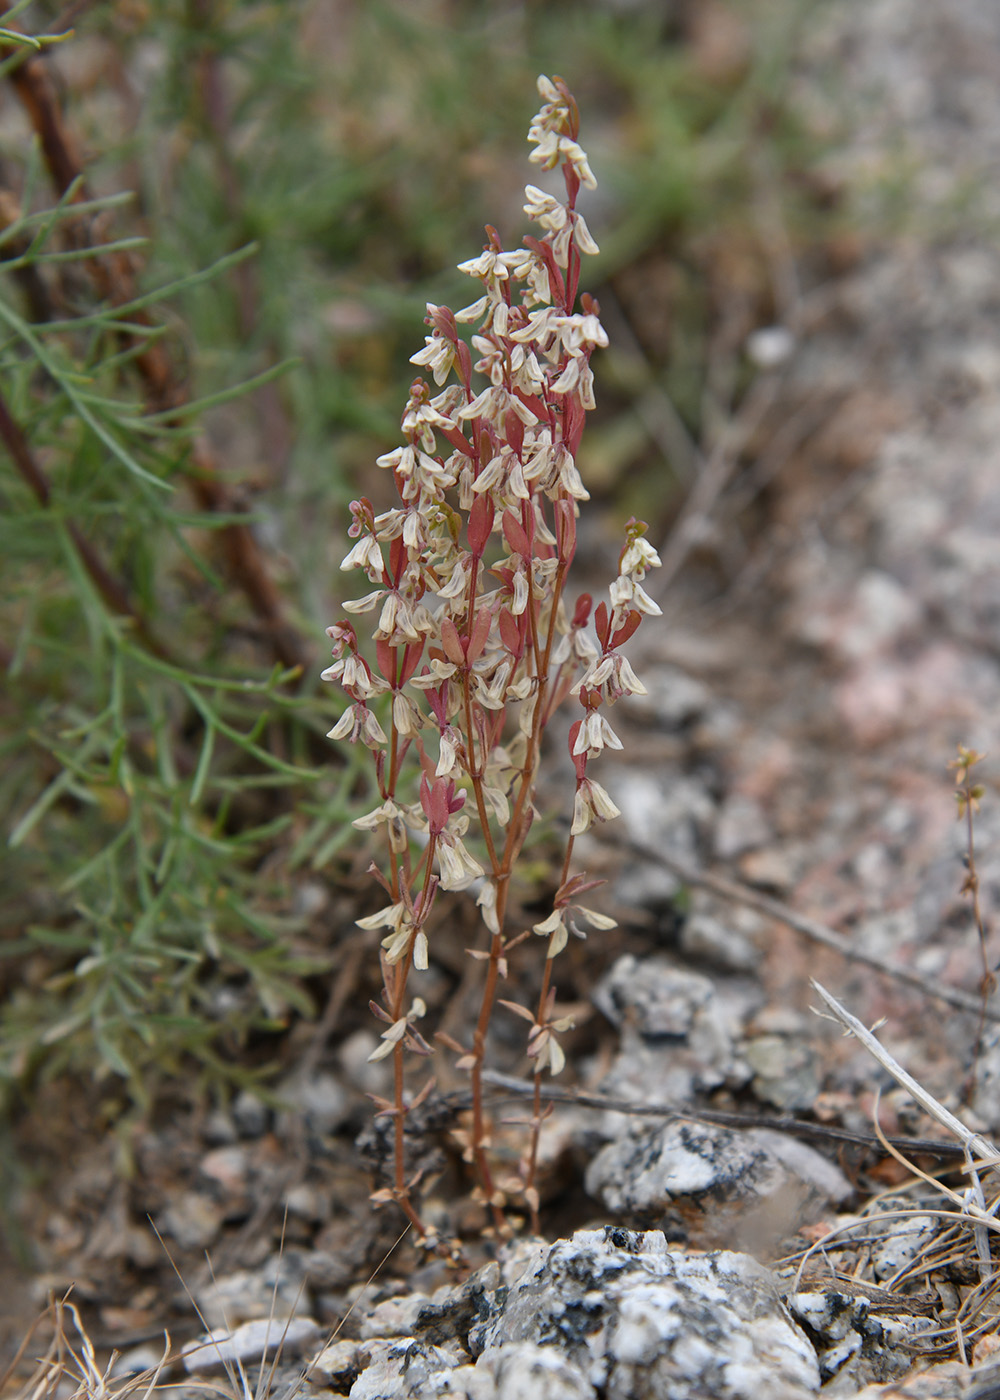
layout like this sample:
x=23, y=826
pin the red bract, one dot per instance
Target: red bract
x=581, y=615
x=385, y=655
x=628, y=627
x=574, y=416
x=602, y=624
x=481, y=524
x=438, y=701
x=397, y=559
x=480, y=632
x=574, y=887
x=451, y=642
x=455, y=437
x=439, y=801
x=579, y=760
x=411, y=660
x=515, y=535
x=511, y=633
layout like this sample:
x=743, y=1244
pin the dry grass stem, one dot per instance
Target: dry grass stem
x=977, y=1146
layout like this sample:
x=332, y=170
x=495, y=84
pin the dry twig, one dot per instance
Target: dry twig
x=978, y=1150
x=737, y=893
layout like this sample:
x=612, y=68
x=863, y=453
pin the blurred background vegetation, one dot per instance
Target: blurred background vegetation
x=219, y=223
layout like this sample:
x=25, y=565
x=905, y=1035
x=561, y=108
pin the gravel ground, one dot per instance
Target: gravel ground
x=810, y=686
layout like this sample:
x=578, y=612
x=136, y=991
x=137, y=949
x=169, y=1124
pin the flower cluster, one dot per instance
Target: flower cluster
x=474, y=647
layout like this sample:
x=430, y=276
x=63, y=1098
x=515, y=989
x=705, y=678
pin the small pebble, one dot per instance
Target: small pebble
x=251, y=1114
x=251, y=1342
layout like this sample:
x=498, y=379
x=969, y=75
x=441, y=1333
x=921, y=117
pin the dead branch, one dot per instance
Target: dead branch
x=794, y=1127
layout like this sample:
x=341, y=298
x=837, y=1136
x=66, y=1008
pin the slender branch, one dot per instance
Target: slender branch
x=795, y=1127
x=115, y=280
x=111, y=589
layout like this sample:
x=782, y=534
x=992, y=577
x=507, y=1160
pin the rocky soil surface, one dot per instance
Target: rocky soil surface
x=832, y=633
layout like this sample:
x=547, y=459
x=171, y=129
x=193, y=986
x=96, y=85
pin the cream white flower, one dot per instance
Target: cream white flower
x=438, y=355
x=459, y=580
x=550, y=1055
x=494, y=403
x=626, y=594
x=492, y=694
x=474, y=312
x=573, y=152
x=420, y=951
x=395, y=1033
x=358, y=722
x=639, y=555
x=352, y=673
x=365, y=604
x=541, y=328
x=406, y=718
x=496, y=800
x=582, y=235
x=569, y=378
x=447, y=752
x=592, y=802
x=393, y=916
x=366, y=555
x=554, y=929
x=595, y=735
x=487, y=902
x=579, y=331
x=420, y=420
x=604, y=922
x=488, y=264
x=396, y=619
x=371, y=821
x=545, y=209
x=459, y=869
x=566, y=477
x=438, y=671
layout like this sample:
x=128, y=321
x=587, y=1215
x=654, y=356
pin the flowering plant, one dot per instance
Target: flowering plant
x=473, y=640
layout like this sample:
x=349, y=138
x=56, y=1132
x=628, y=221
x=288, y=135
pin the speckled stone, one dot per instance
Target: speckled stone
x=640, y=1320
x=613, y=1313
x=711, y=1185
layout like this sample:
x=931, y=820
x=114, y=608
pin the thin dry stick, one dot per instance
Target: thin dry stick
x=737, y=893
x=796, y=1127
x=968, y=794
x=979, y=1151
x=330, y=1338
x=978, y=1146
x=848, y=1226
